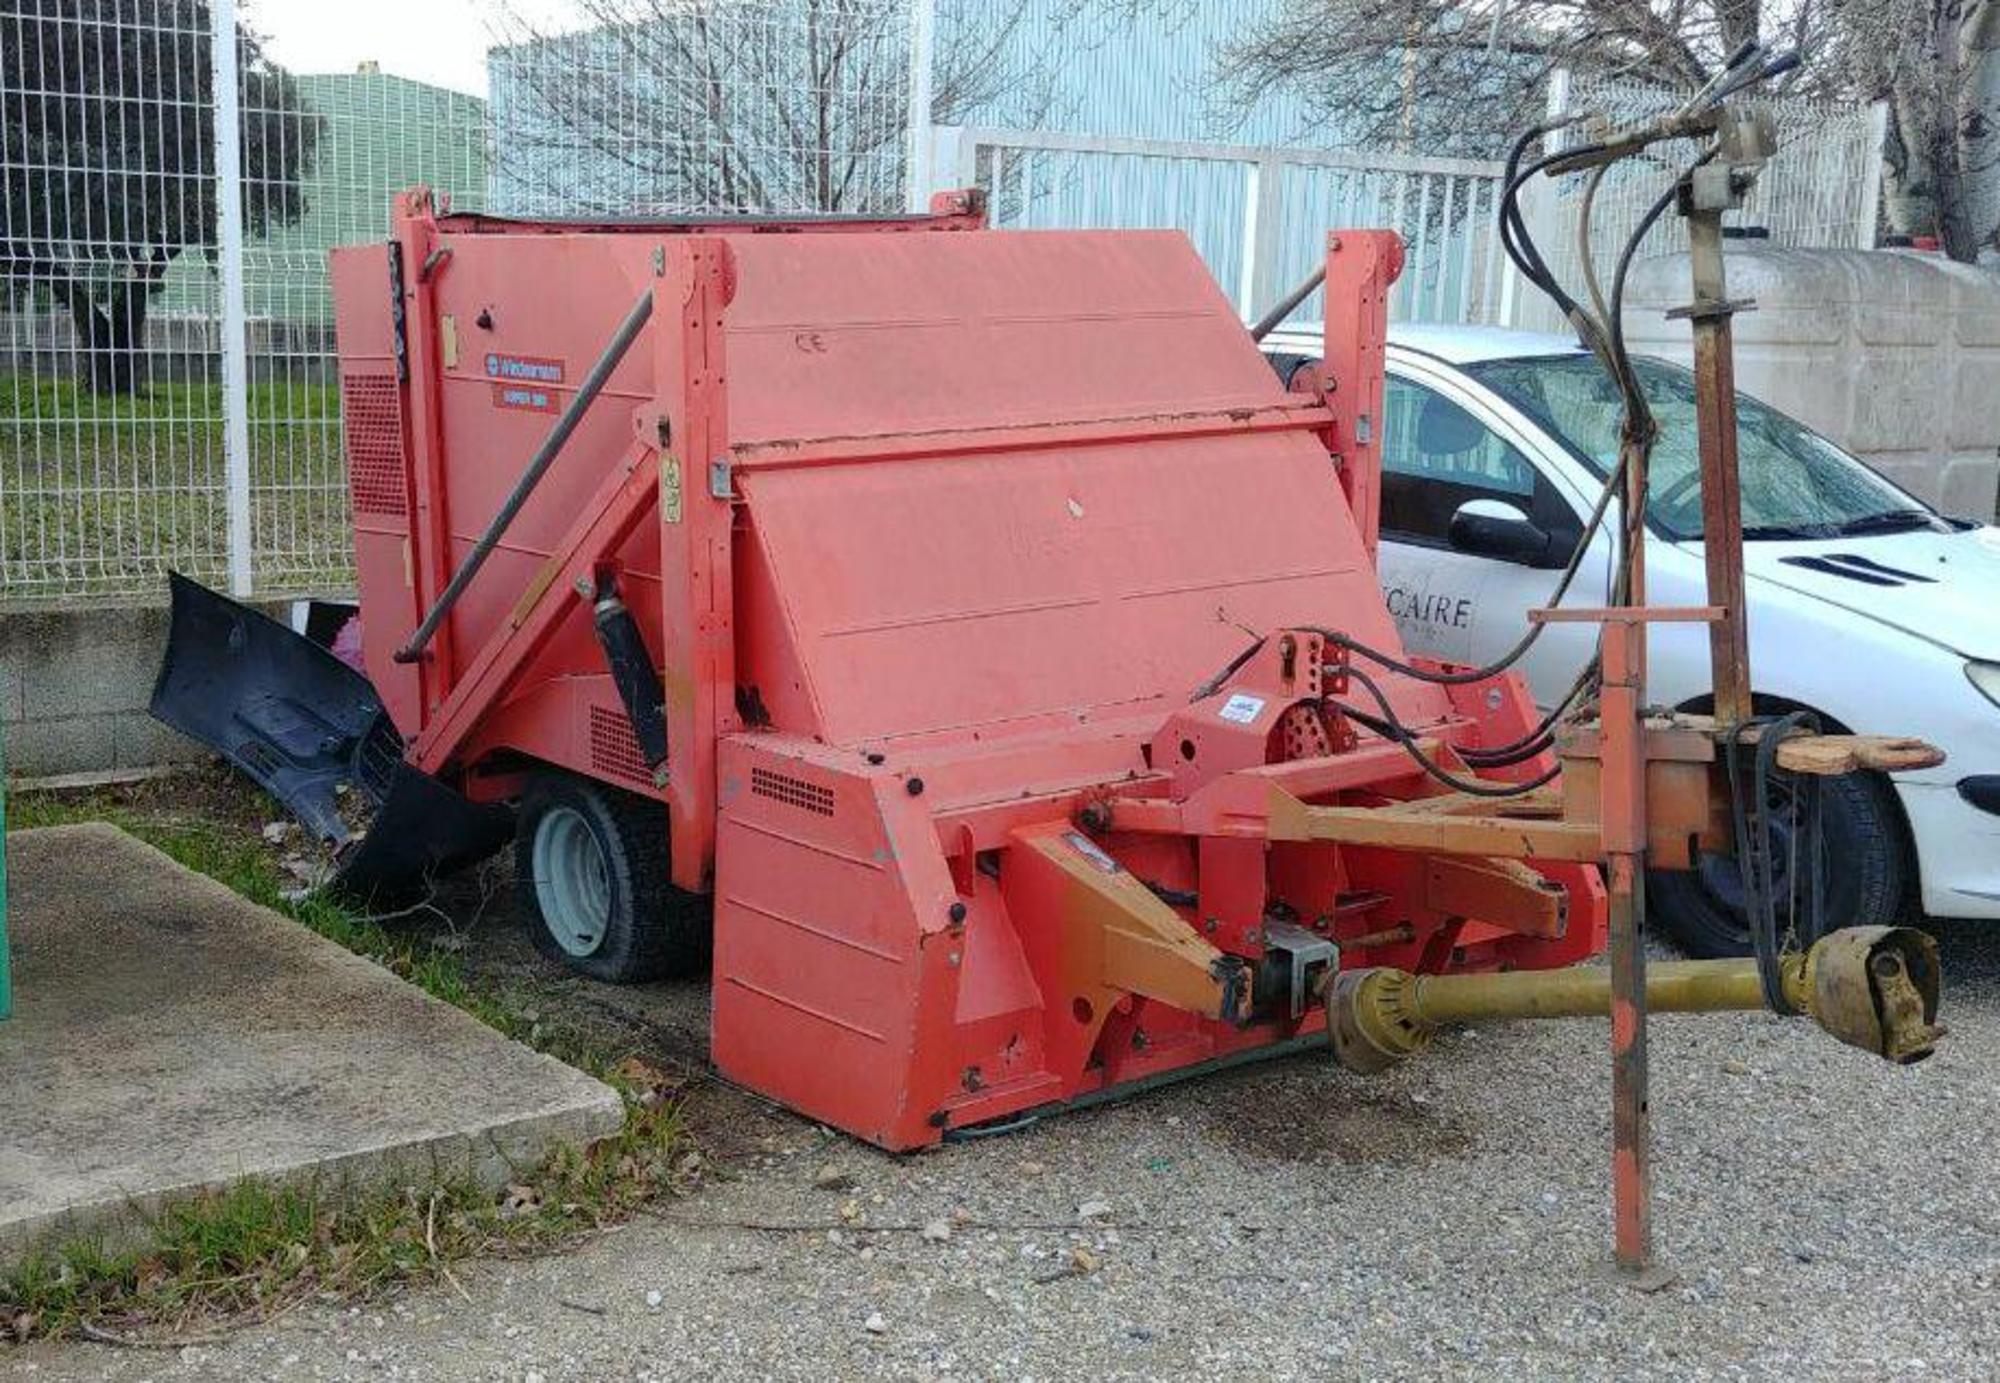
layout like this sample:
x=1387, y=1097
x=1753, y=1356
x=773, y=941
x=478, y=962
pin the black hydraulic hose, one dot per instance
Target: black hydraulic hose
x=1753, y=849
x=545, y=456
x=1613, y=486
x=1513, y=228
x=1388, y=721
x=1227, y=671
x=1529, y=259
x=1531, y=745
x=1645, y=226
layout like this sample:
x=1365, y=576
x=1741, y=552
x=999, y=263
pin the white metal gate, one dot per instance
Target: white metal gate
x=1259, y=216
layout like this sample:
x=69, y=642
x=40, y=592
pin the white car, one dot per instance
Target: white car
x=1866, y=607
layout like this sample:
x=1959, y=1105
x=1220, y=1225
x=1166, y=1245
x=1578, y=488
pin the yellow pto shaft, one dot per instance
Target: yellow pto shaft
x=1875, y=988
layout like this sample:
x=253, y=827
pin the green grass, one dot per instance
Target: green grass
x=254, y=1250
x=48, y=401
x=105, y=492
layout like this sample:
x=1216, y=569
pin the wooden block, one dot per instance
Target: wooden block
x=1833, y=755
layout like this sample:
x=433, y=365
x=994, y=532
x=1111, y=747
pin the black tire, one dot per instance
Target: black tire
x=649, y=928
x=1867, y=863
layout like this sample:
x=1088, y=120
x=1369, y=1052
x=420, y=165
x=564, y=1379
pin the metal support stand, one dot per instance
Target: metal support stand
x=1707, y=192
x=1622, y=713
x=1622, y=829
x=1721, y=489
x=1623, y=820
x=1624, y=808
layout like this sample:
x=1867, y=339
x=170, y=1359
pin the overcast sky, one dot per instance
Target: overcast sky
x=439, y=41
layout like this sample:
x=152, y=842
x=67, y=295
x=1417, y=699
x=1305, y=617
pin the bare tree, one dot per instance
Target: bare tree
x=100, y=191
x=1466, y=75
x=1933, y=61
x=724, y=105
x=1463, y=75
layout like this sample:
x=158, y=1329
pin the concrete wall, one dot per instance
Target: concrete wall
x=1893, y=354
x=74, y=684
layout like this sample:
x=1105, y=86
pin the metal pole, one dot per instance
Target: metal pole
x=1721, y=488
x=228, y=134
x=1287, y=305
x=1584, y=991
x=917, y=175
x=1624, y=820
x=1870, y=214
x=552, y=445
x=1247, y=268
x=1268, y=252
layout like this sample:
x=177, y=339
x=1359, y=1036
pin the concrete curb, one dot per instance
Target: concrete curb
x=172, y=1038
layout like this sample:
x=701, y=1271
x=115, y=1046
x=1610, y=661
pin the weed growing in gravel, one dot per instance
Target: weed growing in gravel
x=252, y=1251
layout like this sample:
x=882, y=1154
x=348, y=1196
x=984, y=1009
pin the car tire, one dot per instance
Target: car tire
x=1867, y=863
x=595, y=885
x=1286, y=366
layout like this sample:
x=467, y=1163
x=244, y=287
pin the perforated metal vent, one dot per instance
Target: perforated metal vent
x=373, y=416
x=614, y=749
x=793, y=792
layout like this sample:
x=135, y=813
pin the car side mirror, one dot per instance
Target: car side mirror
x=1495, y=528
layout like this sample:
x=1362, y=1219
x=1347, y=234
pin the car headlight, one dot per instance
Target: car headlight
x=1986, y=677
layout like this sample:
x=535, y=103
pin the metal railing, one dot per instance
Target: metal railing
x=1259, y=216
x=168, y=395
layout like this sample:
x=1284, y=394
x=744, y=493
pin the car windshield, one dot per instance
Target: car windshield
x=1796, y=484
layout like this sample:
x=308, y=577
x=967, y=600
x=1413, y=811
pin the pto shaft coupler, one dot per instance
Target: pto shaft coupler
x=1875, y=988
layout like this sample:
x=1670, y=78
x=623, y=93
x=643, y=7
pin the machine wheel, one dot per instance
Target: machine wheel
x=1867, y=863
x=595, y=885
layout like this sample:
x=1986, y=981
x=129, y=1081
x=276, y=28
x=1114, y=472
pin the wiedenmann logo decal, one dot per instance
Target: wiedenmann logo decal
x=529, y=369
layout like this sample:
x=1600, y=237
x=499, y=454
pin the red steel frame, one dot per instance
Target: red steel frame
x=972, y=850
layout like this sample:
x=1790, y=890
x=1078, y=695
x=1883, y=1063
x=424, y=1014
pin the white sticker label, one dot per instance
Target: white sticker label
x=1242, y=708
x=1090, y=850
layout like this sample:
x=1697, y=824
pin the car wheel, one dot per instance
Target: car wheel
x=1866, y=863
x=595, y=886
x=1287, y=366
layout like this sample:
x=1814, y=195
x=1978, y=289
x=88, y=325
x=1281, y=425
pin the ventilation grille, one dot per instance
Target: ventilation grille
x=373, y=414
x=793, y=792
x=614, y=749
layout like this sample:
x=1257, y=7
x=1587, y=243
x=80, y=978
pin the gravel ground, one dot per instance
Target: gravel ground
x=1828, y=1216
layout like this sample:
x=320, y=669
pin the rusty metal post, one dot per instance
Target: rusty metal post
x=1624, y=827
x=1721, y=489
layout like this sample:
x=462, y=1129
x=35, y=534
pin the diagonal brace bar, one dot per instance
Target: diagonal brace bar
x=611, y=517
